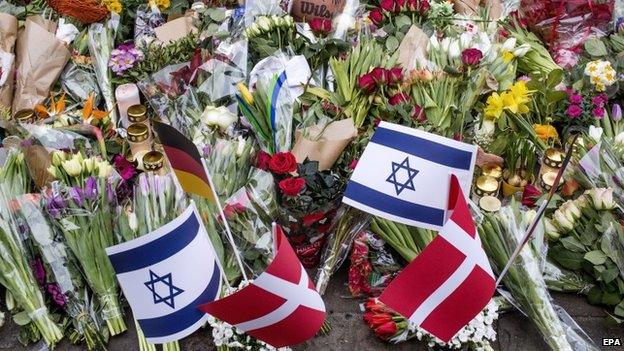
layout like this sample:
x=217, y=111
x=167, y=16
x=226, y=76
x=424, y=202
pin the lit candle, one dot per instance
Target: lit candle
x=126, y=95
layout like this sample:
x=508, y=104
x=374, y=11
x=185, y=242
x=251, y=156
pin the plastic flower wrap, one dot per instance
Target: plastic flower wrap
x=63, y=281
x=394, y=328
x=229, y=162
x=14, y=174
x=101, y=42
x=500, y=234
x=372, y=266
x=16, y=274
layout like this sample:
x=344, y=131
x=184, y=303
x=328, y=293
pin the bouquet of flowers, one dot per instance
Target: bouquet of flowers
x=16, y=274
x=81, y=206
x=500, y=234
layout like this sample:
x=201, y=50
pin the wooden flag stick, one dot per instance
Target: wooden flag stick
x=230, y=237
x=540, y=213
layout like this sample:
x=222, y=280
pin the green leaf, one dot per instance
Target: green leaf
x=21, y=318
x=572, y=244
x=608, y=275
x=554, y=78
x=611, y=298
x=596, y=47
x=619, y=309
x=216, y=15
x=402, y=22
x=596, y=257
x=594, y=296
x=392, y=43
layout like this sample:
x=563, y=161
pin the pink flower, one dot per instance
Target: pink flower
x=125, y=169
x=574, y=111
x=353, y=164
x=376, y=16
x=566, y=58
x=471, y=57
x=399, y=99
x=576, y=98
x=598, y=112
x=396, y=75
x=600, y=100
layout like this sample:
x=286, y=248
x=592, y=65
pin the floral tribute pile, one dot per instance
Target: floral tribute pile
x=281, y=97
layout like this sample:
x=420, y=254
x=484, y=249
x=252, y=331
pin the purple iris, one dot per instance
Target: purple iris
x=55, y=205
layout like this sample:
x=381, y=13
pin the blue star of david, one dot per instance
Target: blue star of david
x=165, y=279
x=408, y=183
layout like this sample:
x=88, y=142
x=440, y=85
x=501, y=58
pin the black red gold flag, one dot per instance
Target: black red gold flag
x=185, y=161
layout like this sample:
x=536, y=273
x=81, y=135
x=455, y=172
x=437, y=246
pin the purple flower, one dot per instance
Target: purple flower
x=125, y=169
x=574, y=111
x=55, y=205
x=124, y=57
x=110, y=192
x=576, y=98
x=91, y=188
x=598, y=112
x=616, y=112
x=206, y=150
x=77, y=194
x=38, y=270
x=57, y=295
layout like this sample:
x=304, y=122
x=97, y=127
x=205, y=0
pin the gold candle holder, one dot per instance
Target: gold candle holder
x=153, y=161
x=548, y=180
x=25, y=116
x=139, y=139
x=490, y=204
x=493, y=170
x=137, y=114
x=487, y=186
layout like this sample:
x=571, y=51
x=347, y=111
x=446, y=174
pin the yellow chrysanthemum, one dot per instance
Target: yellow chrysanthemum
x=494, y=107
x=546, y=131
x=508, y=56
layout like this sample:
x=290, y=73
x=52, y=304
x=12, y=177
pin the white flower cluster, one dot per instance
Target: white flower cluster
x=478, y=333
x=601, y=74
x=265, y=24
x=484, y=133
x=226, y=335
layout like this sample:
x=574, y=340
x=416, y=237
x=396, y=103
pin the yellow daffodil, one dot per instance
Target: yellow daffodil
x=545, y=132
x=520, y=92
x=508, y=56
x=494, y=107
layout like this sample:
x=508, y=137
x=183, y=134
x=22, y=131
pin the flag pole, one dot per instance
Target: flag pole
x=540, y=213
x=230, y=237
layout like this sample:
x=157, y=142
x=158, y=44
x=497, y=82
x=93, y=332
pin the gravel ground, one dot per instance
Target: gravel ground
x=515, y=332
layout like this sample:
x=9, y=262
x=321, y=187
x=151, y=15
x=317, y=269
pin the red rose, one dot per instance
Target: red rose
x=283, y=163
x=419, y=114
x=367, y=83
x=471, y=57
x=231, y=209
x=399, y=5
x=530, y=195
x=376, y=16
x=399, y=99
x=412, y=5
x=423, y=6
x=380, y=75
x=396, y=75
x=312, y=218
x=262, y=160
x=387, y=330
x=320, y=26
x=292, y=186
x=387, y=5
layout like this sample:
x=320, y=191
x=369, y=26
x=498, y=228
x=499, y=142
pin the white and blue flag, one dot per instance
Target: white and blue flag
x=404, y=175
x=166, y=274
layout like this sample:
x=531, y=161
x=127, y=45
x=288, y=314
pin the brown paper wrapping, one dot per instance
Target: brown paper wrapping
x=305, y=10
x=8, y=36
x=413, y=46
x=176, y=29
x=470, y=7
x=324, y=145
x=41, y=58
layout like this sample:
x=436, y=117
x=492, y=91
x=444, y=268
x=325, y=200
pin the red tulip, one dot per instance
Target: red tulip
x=530, y=195
x=387, y=330
x=375, y=320
x=419, y=114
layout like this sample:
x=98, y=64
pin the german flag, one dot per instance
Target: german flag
x=185, y=161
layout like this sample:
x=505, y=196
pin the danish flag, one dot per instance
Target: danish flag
x=450, y=282
x=281, y=307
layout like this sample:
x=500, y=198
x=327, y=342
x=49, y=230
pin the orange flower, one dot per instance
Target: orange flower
x=545, y=131
x=88, y=110
x=56, y=107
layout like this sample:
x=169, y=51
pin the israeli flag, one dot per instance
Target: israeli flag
x=166, y=274
x=404, y=175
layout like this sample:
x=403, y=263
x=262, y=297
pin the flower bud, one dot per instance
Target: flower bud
x=602, y=198
x=616, y=112
x=551, y=230
x=73, y=167
x=57, y=158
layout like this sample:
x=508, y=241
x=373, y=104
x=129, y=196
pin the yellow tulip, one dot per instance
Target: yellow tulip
x=245, y=93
